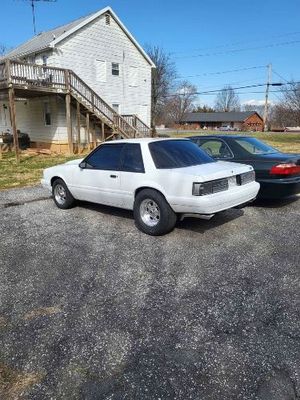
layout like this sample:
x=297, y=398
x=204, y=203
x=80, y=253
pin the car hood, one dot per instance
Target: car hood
x=213, y=170
x=74, y=162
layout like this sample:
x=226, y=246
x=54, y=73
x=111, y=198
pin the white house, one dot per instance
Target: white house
x=100, y=51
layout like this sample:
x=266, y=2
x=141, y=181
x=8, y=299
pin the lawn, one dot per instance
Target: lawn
x=29, y=171
x=285, y=142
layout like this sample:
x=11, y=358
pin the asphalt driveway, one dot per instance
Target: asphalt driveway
x=90, y=308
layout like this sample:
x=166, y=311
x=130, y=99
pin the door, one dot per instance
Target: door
x=99, y=181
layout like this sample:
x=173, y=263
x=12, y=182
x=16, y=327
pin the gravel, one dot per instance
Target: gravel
x=91, y=308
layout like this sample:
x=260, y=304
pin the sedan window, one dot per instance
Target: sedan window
x=132, y=158
x=106, y=157
x=177, y=154
x=255, y=146
x=216, y=149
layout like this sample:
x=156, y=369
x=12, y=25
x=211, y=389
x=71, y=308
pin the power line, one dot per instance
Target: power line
x=223, y=72
x=241, y=50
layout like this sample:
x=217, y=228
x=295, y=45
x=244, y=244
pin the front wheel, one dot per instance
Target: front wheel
x=61, y=195
x=152, y=213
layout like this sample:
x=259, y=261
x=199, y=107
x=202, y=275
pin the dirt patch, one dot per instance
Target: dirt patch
x=14, y=383
x=41, y=312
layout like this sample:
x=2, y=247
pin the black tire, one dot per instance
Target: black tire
x=158, y=222
x=62, y=201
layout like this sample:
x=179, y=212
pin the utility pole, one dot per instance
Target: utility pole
x=266, y=111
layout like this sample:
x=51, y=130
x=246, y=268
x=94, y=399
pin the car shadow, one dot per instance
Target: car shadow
x=189, y=223
x=275, y=203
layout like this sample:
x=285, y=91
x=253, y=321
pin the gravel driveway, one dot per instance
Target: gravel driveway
x=93, y=309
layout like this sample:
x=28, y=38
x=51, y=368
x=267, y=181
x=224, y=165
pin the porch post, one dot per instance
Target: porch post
x=78, y=127
x=12, y=110
x=87, y=119
x=102, y=132
x=69, y=123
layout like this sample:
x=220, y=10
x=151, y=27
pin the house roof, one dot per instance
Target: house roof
x=231, y=116
x=50, y=39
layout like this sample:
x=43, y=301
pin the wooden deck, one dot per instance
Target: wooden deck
x=30, y=80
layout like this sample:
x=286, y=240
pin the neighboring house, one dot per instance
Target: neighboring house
x=110, y=76
x=239, y=120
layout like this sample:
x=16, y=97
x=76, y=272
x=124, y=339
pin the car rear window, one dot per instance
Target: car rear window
x=168, y=154
x=255, y=146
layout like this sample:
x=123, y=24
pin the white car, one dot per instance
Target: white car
x=156, y=178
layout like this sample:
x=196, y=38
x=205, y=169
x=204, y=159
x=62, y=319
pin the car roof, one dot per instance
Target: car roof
x=142, y=140
x=219, y=136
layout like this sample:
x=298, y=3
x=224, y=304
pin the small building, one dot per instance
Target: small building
x=76, y=84
x=235, y=120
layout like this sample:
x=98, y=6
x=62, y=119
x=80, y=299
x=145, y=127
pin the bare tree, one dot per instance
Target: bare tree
x=227, y=100
x=205, y=109
x=181, y=102
x=259, y=108
x=163, y=77
x=3, y=49
x=287, y=111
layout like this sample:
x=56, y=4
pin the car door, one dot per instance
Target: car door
x=99, y=179
x=132, y=172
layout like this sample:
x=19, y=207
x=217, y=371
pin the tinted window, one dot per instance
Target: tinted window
x=255, y=146
x=216, y=148
x=106, y=157
x=177, y=154
x=132, y=158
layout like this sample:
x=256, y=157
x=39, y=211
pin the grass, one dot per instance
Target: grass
x=30, y=169
x=285, y=142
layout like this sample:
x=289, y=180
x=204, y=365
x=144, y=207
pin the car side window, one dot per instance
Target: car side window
x=132, y=160
x=216, y=149
x=106, y=157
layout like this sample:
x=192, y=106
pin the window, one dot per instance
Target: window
x=47, y=114
x=116, y=107
x=45, y=59
x=216, y=148
x=132, y=158
x=115, y=70
x=177, y=154
x=100, y=67
x=106, y=157
x=255, y=146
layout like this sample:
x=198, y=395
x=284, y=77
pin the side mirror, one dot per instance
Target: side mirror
x=82, y=165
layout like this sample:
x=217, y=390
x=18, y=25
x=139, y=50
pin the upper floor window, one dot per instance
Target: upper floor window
x=45, y=59
x=107, y=19
x=115, y=69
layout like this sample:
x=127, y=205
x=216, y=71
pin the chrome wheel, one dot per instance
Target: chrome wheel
x=149, y=212
x=60, y=194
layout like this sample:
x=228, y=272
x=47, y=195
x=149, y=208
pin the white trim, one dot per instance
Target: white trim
x=92, y=18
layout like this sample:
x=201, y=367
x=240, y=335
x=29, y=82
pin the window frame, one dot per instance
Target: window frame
x=126, y=145
x=204, y=140
x=114, y=69
x=99, y=148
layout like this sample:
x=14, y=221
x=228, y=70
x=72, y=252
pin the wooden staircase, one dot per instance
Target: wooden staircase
x=31, y=79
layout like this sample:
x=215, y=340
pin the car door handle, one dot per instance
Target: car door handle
x=113, y=176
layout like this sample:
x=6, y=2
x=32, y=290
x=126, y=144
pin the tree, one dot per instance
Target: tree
x=205, y=109
x=181, y=102
x=162, y=81
x=259, y=108
x=3, y=49
x=227, y=100
x=287, y=111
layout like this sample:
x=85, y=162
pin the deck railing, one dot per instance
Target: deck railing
x=137, y=123
x=40, y=77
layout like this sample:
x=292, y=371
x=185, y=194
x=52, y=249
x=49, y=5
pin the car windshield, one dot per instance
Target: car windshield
x=255, y=146
x=168, y=154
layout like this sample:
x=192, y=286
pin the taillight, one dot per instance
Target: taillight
x=285, y=169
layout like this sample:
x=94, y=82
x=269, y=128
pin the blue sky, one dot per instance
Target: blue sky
x=205, y=37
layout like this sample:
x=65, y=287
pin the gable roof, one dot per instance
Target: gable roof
x=50, y=39
x=231, y=116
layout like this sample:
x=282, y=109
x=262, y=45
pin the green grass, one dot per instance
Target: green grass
x=29, y=171
x=286, y=142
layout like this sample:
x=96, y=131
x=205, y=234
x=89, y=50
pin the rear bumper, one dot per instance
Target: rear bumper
x=217, y=202
x=279, y=188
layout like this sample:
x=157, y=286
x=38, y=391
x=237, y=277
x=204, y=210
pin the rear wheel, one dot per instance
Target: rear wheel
x=152, y=213
x=61, y=195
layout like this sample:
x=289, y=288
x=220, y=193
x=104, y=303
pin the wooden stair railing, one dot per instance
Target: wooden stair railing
x=137, y=123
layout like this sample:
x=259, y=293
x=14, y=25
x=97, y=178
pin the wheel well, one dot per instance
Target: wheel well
x=54, y=179
x=147, y=187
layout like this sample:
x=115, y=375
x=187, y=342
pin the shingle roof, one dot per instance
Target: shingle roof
x=43, y=40
x=231, y=116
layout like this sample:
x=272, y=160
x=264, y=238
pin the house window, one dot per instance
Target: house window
x=47, y=114
x=45, y=59
x=115, y=69
x=116, y=107
x=107, y=19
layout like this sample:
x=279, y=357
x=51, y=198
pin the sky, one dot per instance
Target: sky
x=212, y=42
